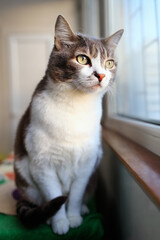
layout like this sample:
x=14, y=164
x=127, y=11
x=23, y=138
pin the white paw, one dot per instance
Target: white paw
x=84, y=209
x=60, y=226
x=75, y=221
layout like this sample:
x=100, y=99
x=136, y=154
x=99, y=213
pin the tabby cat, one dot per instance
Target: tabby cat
x=58, y=141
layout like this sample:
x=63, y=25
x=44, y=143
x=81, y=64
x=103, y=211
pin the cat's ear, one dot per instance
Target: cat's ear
x=113, y=40
x=63, y=33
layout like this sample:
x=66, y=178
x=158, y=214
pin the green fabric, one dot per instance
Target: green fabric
x=91, y=229
x=2, y=181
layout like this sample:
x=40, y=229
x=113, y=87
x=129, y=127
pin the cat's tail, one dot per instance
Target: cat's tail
x=32, y=215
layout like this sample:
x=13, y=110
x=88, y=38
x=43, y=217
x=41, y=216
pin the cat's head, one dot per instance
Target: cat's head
x=86, y=64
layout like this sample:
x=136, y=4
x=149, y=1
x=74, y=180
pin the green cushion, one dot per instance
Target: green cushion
x=91, y=228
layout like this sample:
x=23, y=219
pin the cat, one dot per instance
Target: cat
x=58, y=141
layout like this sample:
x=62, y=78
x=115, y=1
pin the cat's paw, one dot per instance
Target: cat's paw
x=84, y=209
x=75, y=221
x=60, y=226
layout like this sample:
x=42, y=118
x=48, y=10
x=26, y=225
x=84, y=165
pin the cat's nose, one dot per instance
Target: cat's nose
x=99, y=76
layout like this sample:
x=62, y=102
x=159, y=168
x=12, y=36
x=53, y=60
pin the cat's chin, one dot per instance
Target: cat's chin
x=96, y=88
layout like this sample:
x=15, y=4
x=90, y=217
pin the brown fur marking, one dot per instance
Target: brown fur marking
x=19, y=147
x=20, y=181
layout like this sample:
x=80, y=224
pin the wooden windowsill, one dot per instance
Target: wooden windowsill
x=141, y=163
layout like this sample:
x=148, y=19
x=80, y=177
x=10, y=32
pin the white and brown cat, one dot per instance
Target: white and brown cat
x=58, y=141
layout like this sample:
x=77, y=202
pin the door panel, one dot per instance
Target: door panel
x=28, y=61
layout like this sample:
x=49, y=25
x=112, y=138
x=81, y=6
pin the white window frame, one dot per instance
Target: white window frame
x=90, y=17
x=145, y=134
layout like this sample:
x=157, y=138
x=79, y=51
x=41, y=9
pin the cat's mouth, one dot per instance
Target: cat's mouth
x=94, y=87
x=89, y=86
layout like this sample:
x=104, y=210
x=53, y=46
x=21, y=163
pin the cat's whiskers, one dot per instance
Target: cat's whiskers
x=110, y=90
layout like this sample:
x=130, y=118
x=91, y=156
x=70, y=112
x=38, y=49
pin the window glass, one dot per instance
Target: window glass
x=138, y=77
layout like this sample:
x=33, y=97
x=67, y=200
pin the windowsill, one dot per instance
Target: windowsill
x=143, y=164
x=145, y=134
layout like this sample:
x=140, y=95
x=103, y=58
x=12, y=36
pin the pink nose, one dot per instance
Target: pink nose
x=100, y=76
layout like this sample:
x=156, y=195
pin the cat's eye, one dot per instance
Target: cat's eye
x=109, y=64
x=82, y=59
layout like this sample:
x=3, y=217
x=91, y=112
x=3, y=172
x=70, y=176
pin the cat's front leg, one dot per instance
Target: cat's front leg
x=47, y=181
x=75, y=201
x=60, y=223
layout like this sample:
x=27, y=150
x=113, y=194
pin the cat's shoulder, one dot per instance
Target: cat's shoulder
x=41, y=86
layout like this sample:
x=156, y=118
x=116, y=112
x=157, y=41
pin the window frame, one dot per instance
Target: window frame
x=145, y=134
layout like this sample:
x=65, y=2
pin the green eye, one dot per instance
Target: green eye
x=109, y=64
x=82, y=59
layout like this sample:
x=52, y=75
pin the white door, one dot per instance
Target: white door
x=29, y=56
x=26, y=37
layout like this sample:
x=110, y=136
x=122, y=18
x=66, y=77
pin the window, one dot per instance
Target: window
x=134, y=108
x=138, y=86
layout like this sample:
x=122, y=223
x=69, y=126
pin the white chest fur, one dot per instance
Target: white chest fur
x=65, y=133
x=67, y=116
x=65, y=126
